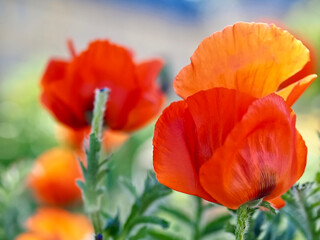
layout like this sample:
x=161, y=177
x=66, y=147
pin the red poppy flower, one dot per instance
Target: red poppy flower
x=229, y=147
x=55, y=223
x=135, y=98
x=53, y=177
x=232, y=140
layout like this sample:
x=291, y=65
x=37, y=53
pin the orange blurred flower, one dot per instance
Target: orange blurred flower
x=113, y=140
x=53, y=177
x=135, y=98
x=57, y=224
x=232, y=139
x=75, y=138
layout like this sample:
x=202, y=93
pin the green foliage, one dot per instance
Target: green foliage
x=112, y=226
x=16, y=204
x=140, y=221
x=26, y=129
x=217, y=224
x=302, y=208
x=300, y=215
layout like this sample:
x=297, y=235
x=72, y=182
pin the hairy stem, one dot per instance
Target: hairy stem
x=90, y=188
x=243, y=216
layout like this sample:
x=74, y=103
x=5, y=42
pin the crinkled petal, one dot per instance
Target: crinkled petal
x=277, y=202
x=151, y=98
x=254, y=58
x=173, y=151
x=215, y=112
x=257, y=158
x=147, y=72
x=292, y=92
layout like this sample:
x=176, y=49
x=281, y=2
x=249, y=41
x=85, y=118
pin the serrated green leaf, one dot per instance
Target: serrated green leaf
x=230, y=228
x=269, y=207
x=149, y=233
x=289, y=232
x=80, y=184
x=129, y=186
x=141, y=234
x=148, y=220
x=112, y=226
x=153, y=191
x=299, y=208
x=83, y=168
x=215, y=225
x=179, y=215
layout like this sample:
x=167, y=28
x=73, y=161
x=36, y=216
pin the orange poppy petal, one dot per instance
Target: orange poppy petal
x=172, y=153
x=277, y=202
x=120, y=103
x=59, y=224
x=253, y=58
x=309, y=68
x=256, y=156
x=56, y=70
x=71, y=137
x=148, y=71
x=296, y=169
x=30, y=236
x=215, y=112
x=292, y=92
x=105, y=64
x=57, y=93
x=53, y=177
x=151, y=98
x=113, y=139
x=147, y=108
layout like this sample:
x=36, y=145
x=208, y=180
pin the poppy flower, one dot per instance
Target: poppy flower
x=55, y=223
x=53, y=177
x=233, y=138
x=75, y=138
x=135, y=98
x=229, y=147
x=253, y=58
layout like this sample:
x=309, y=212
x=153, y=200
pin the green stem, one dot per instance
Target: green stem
x=100, y=100
x=196, y=225
x=243, y=216
x=90, y=188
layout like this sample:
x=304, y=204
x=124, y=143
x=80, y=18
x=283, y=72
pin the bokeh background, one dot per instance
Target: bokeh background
x=33, y=31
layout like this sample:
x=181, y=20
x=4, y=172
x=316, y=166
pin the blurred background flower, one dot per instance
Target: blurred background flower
x=53, y=177
x=55, y=223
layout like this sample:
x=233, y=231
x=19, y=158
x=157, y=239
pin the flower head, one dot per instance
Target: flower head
x=53, y=177
x=253, y=58
x=135, y=98
x=233, y=139
x=55, y=223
